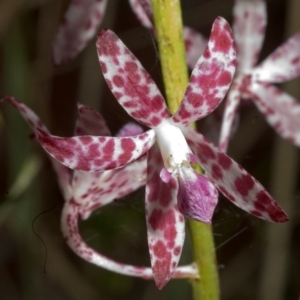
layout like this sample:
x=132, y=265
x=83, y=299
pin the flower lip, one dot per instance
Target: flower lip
x=197, y=195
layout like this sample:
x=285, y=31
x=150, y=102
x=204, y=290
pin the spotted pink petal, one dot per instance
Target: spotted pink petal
x=195, y=44
x=233, y=181
x=197, y=196
x=165, y=224
x=70, y=230
x=85, y=184
x=129, y=81
x=211, y=77
x=231, y=109
x=280, y=109
x=143, y=11
x=90, y=122
x=249, y=23
x=96, y=153
x=78, y=27
x=93, y=190
x=282, y=65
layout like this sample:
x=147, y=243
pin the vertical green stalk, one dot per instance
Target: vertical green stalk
x=168, y=25
x=207, y=287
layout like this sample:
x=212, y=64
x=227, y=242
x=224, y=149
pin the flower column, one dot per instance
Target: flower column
x=168, y=25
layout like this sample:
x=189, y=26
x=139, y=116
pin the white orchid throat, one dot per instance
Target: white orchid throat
x=173, y=146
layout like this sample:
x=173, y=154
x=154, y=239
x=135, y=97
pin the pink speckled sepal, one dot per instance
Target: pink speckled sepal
x=165, y=224
x=70, y=230
x=197, y=196
x=233, y=181
x=96, y=153
x=92, y=190
x=249, y=23
x=129, y=81
x=280, y=109
x=282, y=65
x=85, y=185
x=78, y=27
x=211, y=77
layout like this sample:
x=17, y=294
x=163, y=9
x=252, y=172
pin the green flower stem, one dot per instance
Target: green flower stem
x=207, y=287
x=168, y=25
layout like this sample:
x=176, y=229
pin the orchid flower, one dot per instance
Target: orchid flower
x=281, y=110
x=173, y=188
x=83, y=18
x=86, y=192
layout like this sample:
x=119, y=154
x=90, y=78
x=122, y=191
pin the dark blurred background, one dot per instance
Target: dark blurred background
x=256, y=260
